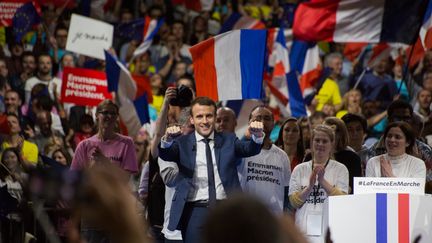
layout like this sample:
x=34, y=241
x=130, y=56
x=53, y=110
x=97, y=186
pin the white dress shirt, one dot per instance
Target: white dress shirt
x=200, y=189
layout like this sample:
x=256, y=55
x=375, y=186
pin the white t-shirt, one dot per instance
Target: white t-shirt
x=265, y=176
x=403, y=166
x=31, y=82
x=168, y=170
x=316, y=204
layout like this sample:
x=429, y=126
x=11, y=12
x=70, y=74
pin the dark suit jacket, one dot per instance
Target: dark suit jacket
x=227, y=148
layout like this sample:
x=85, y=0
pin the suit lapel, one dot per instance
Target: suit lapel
x=218, y=140
x=192, y=148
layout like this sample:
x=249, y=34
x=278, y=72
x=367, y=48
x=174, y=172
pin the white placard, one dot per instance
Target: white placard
x=89, y=37
x=354, y=218
x=365, y=185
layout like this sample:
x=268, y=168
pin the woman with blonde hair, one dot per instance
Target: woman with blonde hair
x=312, y=182
x=351, y=103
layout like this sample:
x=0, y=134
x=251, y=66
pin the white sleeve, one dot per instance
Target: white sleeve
x=168, y=172
x=144, y=179
x=419, y=169
x=342, y=181
x=287, y=166
x=295, y=180
x=370, y=168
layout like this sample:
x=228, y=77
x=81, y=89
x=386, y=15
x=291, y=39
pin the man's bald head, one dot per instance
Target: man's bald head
x=225, y=120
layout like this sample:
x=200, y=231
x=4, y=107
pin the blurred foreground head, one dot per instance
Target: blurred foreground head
x=243, y=219
x=107, y=202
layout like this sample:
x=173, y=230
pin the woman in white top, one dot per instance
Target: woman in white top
x=313, y=181
x=399, y=140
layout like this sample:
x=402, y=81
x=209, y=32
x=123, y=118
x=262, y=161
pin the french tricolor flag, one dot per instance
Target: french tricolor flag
x=133, y=104
x=380, y=218
x=230, y=66
x=151, y=27
x=359, y=20
x=305, y=71
x=237, y=21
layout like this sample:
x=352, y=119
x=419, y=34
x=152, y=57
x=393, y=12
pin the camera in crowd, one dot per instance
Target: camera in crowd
x=184, y=97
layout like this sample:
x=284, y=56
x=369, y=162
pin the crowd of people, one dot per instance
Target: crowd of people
x=70, y=171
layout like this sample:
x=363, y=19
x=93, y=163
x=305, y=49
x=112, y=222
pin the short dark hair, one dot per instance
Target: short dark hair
x=44, y=54
x=105, y=104
x=407, y=131
x=399, y=104
x=27, y=54
x=257, y=107
x=203, y=100
x=351, y=117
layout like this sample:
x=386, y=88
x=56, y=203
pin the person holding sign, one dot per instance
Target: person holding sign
x=312, y=182
x=399, y=140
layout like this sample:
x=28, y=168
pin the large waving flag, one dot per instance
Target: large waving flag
x=359, y=20
x=230, y=66
x=237, y=21
x=277, y=83
x=151, y=27
x=133, y=103
x=278, y=56
x=119, y=78
x=305, y=64
x=25, y=17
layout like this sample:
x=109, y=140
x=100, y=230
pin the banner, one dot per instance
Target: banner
x=8, y=9
x=84, y=87
x=89, y=37
x=365, y=185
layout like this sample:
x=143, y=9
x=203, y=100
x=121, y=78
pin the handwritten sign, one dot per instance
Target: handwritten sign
x=89, y=37
x=365, y=185
x=8, y=9
x=84, y=86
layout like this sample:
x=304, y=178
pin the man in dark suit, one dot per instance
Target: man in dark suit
x=207, y=163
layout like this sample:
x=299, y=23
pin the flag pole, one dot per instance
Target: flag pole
x=406, y=68
x=360, y=78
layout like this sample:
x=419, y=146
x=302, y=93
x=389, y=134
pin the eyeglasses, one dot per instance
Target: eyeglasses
x=106, y=113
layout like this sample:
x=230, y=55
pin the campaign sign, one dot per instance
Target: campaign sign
x=8, y=9
x=84, y=87
x=89, y=37
x=365, y=185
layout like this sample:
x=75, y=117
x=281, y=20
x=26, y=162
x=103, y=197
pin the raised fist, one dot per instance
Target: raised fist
x=256, y=129
x=172, y=132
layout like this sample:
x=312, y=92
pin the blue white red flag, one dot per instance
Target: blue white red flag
x=370, y=21
x=237, y=21
x=151, y=27
x=230, y=66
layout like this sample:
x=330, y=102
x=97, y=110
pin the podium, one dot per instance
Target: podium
x=380, y=218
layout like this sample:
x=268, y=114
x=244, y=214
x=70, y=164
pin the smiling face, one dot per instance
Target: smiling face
x=203, y=119
x=396, y=142
x=107, y=117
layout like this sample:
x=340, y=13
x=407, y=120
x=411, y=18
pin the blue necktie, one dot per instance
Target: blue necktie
x=210, y=172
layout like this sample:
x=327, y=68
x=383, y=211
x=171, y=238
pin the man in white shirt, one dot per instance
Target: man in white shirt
x=207, y=166
x=44, y=76
x=267, y=174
